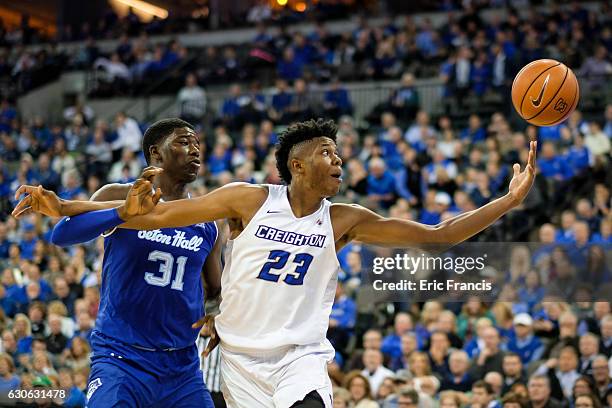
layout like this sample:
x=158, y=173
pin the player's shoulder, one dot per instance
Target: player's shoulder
x=111, y=192
x=347, y=209
x=246, y=192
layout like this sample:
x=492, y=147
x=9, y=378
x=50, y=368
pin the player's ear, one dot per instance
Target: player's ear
x=296, y=166
x=155, y=154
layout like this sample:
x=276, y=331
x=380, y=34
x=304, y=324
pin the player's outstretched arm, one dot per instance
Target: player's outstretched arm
x=369, y=227
x=87, y=226
x=234, y=200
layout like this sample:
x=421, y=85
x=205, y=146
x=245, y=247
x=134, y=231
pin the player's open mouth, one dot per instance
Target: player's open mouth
x=337, y=176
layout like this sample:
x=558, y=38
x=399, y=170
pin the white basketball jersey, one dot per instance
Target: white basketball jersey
x=279, y=279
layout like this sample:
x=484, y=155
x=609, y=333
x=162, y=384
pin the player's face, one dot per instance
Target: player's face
x=326, y=170
x=180, y=153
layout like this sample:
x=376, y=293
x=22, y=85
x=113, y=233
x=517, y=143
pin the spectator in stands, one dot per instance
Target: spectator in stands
x=342, y=319
x=336, y=100
x=597, y=141
x=77, y=356
x=62, y=161
x=290, y=67
x=475, y=132
x=439, y=347
x=99, y=154
x=540, y=393
x=458, y=378
x=231, y=107
x=391, y=344
x=601, y=375
x=408, y=345
x=302, y=103
x=404, y=102
x=562, y=373
x=117, y=73
x=74, y=396
x=512, y=371
x=525, y=344
x=596, y=68
x=587, y=401
x=56, y=340
x=483, y=396
x=380, y=184
x=191, y=100
x=129, y=135
x=374, y=370
x=605, y=344
x=490, y=357
x=127, y=161
x=371, y=339
x=8, y=378
x=418, y=132
x=361, y=392
x=589, y=349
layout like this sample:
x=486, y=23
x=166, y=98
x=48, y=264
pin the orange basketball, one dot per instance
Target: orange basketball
x=545, y=92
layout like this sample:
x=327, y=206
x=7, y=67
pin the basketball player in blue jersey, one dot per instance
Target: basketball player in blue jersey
x=143, y=344
x=281, y=267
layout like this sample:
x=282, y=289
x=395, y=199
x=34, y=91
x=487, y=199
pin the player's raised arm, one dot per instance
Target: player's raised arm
x=234, y=200
x=370, y=227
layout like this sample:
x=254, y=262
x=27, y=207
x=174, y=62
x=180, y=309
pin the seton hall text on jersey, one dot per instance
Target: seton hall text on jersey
x=177, y=240
x=288, y=237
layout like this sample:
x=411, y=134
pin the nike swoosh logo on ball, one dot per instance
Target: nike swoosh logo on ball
x=537, y=102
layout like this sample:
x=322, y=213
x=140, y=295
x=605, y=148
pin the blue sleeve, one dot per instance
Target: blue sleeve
x=84, y=227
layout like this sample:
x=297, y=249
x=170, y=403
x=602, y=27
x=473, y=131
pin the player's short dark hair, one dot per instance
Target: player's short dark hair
x=159, y=131
x=298, y=133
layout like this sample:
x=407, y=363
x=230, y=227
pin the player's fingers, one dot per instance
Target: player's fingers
x=534, y=150
x=26, y=202
x=517, y=169
x=530, y=157
x=199, y=323
x=24, y=189
x=150, y=172
x=20, y=213
x=212, y=343
x=157, y=195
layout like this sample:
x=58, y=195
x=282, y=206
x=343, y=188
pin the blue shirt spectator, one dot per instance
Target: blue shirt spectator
x=474, y=132
x=381, y=183
x=529, y=347
x=552, y=133
x=289, y=67
x=553, y=166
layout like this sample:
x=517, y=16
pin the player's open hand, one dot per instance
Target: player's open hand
x=523, y=180
x=207, y=324
x=142, y=198
x=38, y=200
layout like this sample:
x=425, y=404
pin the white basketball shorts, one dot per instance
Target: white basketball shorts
x=277, y=378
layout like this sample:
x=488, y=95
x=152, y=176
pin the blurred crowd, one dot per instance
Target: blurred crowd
x=471, y=54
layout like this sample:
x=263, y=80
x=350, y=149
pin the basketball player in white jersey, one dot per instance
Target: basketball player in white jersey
x=281, y=266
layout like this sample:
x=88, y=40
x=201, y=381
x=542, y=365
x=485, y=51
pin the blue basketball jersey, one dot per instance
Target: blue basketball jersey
x=152, y=289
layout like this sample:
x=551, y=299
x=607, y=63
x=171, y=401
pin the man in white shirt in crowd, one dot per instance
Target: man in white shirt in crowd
x=129, y=135
x=374, y=370
x=191, y=100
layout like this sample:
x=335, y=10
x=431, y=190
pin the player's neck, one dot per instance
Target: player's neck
x=171, y=189
x=303, y=201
